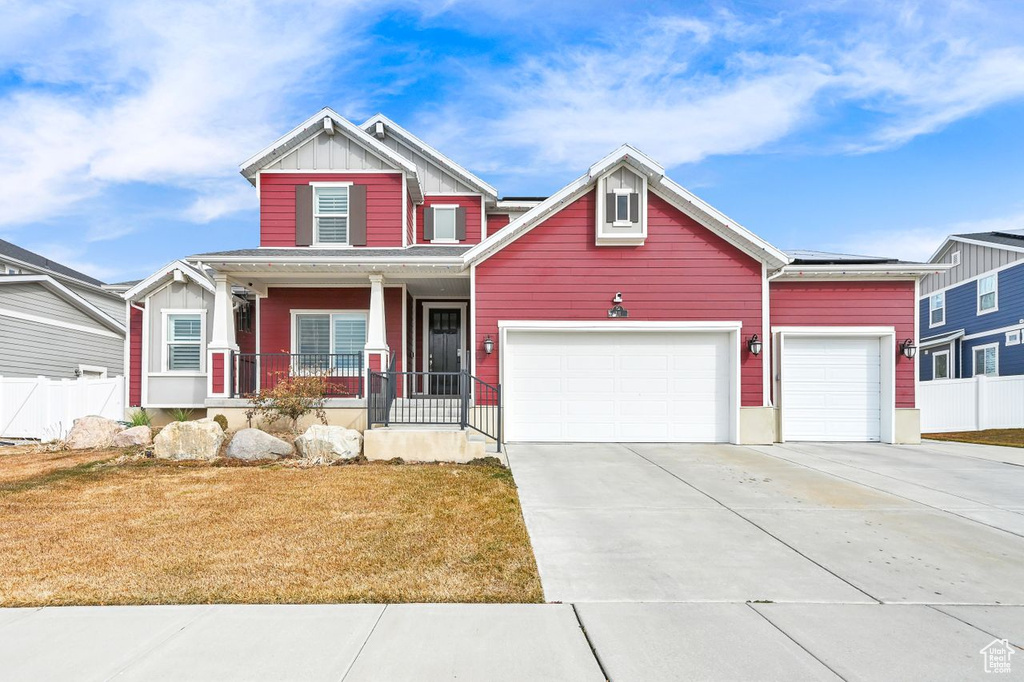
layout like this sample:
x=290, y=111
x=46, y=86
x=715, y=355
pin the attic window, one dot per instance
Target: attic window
x=621, y=208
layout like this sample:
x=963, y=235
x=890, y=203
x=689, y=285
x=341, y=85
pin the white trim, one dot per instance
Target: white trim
x=126, y=361
x=974, y=362
x=887, y=358
x=191, y=406
x=939, y=340
x=74, y=299
x=429, y=304
x=164, y=342
x=472, y=312
x=917, y=336
x=1013, y=338
x=621, y=191
x=405, y=331
x=38, y=319
x=95, y=369
x=146, y=304
x=347, y=184
x=734, y=329
x=766, y=336
x=187, y=269
x=954, y=258
x=932, y=325
x=446, y=241
x=948, y=368
x=994, y=292
x=858, y=271
x=993, y=332
x=406, y=202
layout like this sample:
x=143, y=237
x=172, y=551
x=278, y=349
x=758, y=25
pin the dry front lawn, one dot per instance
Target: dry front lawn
x=1013, y=438
x=157, y=533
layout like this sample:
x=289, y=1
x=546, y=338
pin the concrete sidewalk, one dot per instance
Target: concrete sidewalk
x=631, y=641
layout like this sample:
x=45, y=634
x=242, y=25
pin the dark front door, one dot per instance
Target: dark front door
x=445, y=325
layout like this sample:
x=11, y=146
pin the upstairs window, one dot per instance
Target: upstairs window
x=986, y=360
x=444, y=223
x=330, y=214
x=987, y=294
x=183, y=351
x=937, y=308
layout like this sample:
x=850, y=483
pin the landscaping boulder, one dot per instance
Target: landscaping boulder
x=253, y=444
x=93, y=432
x=329, y=443
x=189, y=440
x=135, y=437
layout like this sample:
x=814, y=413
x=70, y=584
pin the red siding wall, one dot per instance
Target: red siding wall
x=683, y=272
x=496, y=221
x=875, y=304
x=135, y=357
x=384, y=205
x=275, y=312
x=472, y=204
x=217, y=380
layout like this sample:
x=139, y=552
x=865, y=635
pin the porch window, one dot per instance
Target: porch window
x=937, y=305
x=330, y=340
x=330, y=214
x=184, y=342
x=987, y=294
x=986, y=361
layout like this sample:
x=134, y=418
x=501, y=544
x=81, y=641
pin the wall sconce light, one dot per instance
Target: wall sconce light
x=754, y=345
x=488, y=345
x=617, y=298
x=908, y=348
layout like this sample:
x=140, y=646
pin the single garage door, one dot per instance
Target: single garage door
x=831, y=388
x=632, y=386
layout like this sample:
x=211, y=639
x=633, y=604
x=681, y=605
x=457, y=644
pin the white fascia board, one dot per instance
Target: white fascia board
x=68, y=296
x=314, y=126
x=430, y=152
x=975, y=242
x=58, y=275
x=157, y=277
x=506, y=205
x=619, y=325
x=792, y=273
x=630, y=154
x=317, y=260
x=939, y=340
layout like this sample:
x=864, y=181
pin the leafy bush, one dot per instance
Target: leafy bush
x=290, y=398
x=181, y=414
x=222, y=420
x=140, y=418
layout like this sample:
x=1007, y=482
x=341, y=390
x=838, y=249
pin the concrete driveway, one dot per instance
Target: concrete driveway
x=826, y=561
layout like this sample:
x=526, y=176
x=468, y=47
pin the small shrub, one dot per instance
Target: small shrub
x=290, y=398
x=222, y=420
x=181, y=414
x=140, y=418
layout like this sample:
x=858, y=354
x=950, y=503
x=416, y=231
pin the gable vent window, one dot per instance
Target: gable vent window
x=331, y=214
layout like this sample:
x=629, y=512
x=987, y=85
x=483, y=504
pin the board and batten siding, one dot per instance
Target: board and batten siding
x=433, y=178
x=852, y=304
x=329, y=152
x=974, y=260
x=384, y=205
x=682, y=272
x=175, y=390
x=31, y=348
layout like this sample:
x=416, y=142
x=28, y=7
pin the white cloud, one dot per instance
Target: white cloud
x=219, y=200
x=165, y=93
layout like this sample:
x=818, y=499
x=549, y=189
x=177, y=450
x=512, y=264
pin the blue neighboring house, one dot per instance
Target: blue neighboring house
x=972, y=315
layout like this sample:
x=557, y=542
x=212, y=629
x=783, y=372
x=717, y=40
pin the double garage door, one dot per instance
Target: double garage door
x=680, y=386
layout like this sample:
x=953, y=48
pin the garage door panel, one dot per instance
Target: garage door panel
x=618, y=386
x=831, y=388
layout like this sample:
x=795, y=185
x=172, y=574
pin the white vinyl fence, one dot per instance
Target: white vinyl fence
x=971, y=404
x=46, y=408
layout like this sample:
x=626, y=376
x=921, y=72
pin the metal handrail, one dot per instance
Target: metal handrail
x=342, y=372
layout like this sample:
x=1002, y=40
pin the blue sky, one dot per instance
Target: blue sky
x=869, y=127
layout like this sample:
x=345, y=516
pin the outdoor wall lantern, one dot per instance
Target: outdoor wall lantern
x=754, y=345
x=908, y=348
x=617, y=310
x=488, y=345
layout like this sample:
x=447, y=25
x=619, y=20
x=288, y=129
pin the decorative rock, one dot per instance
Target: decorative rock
x=329, y=443
x=93, y=432
x=189, y=440
x=135, y=437
x=253, y=444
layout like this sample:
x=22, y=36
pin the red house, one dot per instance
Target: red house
x=621, y=308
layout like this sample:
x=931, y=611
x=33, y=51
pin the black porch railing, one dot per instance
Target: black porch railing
x=342, y=372
x=452, y=398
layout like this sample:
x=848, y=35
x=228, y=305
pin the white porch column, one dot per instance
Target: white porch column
x=376, y=331
x=222, y=339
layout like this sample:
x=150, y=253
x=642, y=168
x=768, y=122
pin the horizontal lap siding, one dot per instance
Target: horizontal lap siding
x=135, y=357
x=682, y=273
x=473, y=214
x=870, y=304
x=496, y=221
x=384, y=205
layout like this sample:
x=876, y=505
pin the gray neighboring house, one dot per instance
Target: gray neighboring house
x=55, y=321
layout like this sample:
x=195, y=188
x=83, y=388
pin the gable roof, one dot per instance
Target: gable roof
x=436, y=157
x=34, y=260
x=312, y=126
x=1007, y=240
x=659, y=183
x=69, y=296
x=157, y=278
